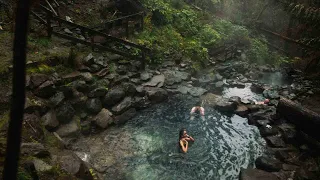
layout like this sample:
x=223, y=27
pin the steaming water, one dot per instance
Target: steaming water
x=146, y=147
x=275, y=78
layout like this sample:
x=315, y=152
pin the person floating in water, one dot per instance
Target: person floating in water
x=184, y=139
x=197, y=108
x=265, y=102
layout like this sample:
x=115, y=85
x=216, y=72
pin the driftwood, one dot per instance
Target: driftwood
x=305, y=120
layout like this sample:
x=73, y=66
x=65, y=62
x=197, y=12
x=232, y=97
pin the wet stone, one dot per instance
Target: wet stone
x=268, y=164
x=276, y=141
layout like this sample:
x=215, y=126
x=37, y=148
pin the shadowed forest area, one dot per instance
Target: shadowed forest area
x=101, y=73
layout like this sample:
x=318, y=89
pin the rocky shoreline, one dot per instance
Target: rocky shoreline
x=95, y=97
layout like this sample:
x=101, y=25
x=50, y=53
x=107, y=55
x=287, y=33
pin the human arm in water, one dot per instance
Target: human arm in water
x=189, y=138
x=202, y=111
x=184, y=145
x=193, y=110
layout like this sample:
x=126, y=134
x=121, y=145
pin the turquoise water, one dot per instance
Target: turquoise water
x=222, y=144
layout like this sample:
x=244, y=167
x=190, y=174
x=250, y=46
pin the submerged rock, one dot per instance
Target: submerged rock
x=256, y=174
x=123, y=118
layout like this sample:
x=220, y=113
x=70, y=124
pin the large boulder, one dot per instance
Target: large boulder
x=34, y=104
x=68, y=78
x=224, y=105
x=69, y=130
x=70, y=163
x=242, y=110
x=140, y=102
x=94, y=105
x=173, y=77
x=124, y=105
x=65, y=112
x=275, y=141
x=98, y=92
x=271, y=94
x=156, y=94
x=123, y=118
x=78, y=100
x=56, y=99
x=145, y=76
x=256, y=174
x=156, y=81
x=41, y=166
x=129, y=88
x=268, y=131
x=196, y=91
x=45, y=90
x=257, y=88
x=37, y=79
x=49, y=120
x=34, y=149
x=113, y=97
x=103, y=119
x=268, y=164
x=81, y=86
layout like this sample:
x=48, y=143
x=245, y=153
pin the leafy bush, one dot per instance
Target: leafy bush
x=231, y=31
x=258, y=51
x=208, y=36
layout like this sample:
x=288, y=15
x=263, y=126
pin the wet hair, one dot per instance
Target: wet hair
x=181, y=132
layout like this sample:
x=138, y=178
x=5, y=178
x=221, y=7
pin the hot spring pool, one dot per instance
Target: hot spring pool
x=146, y=148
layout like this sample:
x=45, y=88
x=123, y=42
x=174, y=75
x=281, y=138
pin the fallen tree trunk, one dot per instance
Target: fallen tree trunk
x=304, y=119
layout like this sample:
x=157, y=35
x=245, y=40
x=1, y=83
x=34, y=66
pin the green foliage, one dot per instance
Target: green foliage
x=112, y=67
x=177, y=32
x=42, y=68
x=258, y=52
x=41, y=42
x=208, y=36
x=23, y=175
x=231, y=31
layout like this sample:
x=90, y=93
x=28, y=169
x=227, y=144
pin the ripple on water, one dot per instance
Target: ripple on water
x=223, y=144
x=146, y=147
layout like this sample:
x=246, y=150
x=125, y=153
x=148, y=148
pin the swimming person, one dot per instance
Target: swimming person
x=184, y=139
x=197, y=108
x=265, y=102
